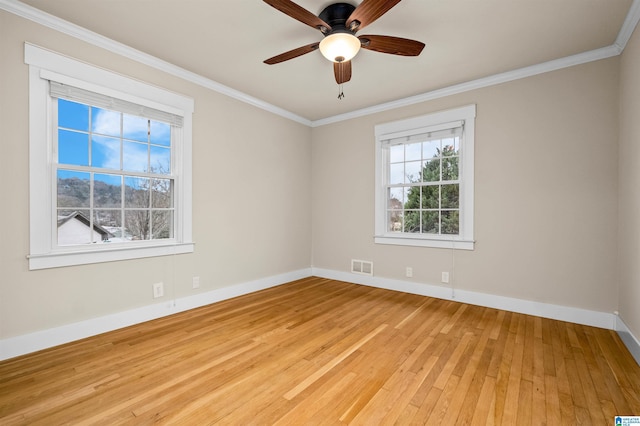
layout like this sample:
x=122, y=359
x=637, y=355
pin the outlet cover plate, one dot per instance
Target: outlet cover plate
x=158, y=290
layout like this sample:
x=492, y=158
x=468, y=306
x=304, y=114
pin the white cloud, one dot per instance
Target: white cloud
x=134, y=155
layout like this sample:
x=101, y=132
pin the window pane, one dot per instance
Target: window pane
x=451, y=144
x=430, y=223
x=136, y=223
x=73, y=148
x=74, y=228
x=412, y=221
x=450, y=196
x=451, y=222
x=110, y=219
x=162, y=193
x=430, y=197
x=394, y=221
x=73, y=115
x=396, y=153
x=413, y=151
x=107, y=190
x=396, y=173
x=431, y=149
x=160, y=160
x=450, y=168
x=136, y=128
x=412, y=171
x=412, y=198
x=73, y=189
x=105, y=122
x=395, y=198
x=160, y=133
x=431, y=171
x=105, y=152
x=135, y=157
x=162, y=224
x=136, y=192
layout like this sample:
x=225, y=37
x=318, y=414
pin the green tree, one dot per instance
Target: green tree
x=433, y=207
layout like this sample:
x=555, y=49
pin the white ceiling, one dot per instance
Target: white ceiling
x=226, y=41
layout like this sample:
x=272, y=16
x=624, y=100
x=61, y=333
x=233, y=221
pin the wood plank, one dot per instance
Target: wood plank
x=483, y=412
x=325, y=368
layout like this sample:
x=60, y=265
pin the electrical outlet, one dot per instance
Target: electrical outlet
x=196, y=282
x=409, y=272
x=445, y=277
x=158, y=290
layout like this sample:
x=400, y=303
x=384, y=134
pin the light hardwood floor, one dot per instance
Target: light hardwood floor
x=318, y=351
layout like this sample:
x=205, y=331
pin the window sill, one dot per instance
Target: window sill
x=425, y=242
x=110, y=254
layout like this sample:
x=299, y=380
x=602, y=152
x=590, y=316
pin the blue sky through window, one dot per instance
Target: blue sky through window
x=97, y=137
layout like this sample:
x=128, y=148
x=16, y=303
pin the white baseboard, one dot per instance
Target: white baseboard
x=545, y=310
x=630, y=341
x=27, y=343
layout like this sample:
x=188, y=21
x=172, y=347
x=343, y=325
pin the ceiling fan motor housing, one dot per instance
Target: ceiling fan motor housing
x=336, y=16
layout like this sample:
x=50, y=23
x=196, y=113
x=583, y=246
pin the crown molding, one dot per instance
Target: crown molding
x=629, y=25
x=556, y=64
x=28, y=12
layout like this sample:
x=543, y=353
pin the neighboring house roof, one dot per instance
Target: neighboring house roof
x=85, y=220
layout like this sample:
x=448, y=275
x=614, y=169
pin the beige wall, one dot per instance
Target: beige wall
x=545, y=191
x=251, y=202
x=629, y=206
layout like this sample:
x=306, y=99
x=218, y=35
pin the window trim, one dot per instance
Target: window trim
x=465, y=240
x=45, y=65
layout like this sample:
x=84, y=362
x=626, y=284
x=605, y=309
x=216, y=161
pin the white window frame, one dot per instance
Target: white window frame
x=415, y=126
x=45, y=66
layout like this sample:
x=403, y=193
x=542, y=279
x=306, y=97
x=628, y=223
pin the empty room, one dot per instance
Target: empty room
x=310, y=212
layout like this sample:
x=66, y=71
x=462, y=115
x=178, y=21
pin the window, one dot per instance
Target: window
x=424, y=180
x=108, y=169
x=113, y=169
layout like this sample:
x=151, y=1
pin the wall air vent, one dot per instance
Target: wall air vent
x=363, y=267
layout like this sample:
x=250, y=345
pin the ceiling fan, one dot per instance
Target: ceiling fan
x=339, y=23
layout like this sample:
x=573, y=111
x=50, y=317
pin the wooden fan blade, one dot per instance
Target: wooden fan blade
x=391, y=45
x=292, y=54
x=368, y=11
x=342, y=71
x=299, y=13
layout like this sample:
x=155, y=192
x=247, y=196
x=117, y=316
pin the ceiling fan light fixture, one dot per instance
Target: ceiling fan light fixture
x=340, y=47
